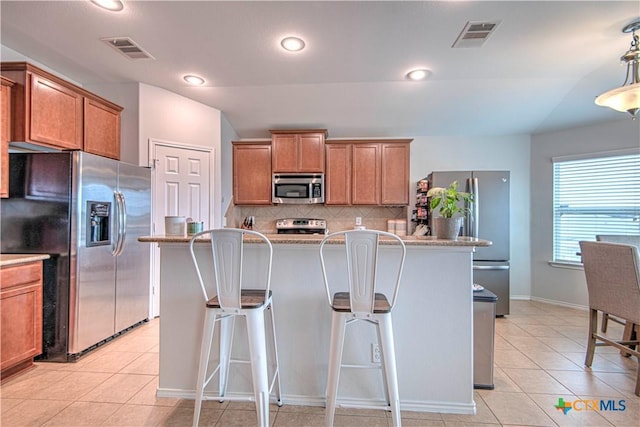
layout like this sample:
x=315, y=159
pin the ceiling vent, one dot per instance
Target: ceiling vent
x=474, y=34
x=127, y=47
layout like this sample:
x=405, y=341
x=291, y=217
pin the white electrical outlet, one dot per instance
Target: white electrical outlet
x=358, y=220
x=375, y=353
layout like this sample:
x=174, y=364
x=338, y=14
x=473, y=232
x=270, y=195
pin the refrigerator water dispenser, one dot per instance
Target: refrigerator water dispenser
x=98, y=223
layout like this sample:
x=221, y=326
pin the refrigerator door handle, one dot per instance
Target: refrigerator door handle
x=116, y=244
x=121, y=222
x=490, y=267
x=473, y=223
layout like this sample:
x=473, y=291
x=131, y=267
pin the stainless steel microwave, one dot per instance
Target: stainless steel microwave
x=297, y=188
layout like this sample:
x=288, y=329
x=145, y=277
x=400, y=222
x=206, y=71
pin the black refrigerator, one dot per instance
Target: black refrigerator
x=86, y=212
x=487, y=219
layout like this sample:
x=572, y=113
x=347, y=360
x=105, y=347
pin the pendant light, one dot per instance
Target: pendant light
x=627, y=97
x=112, y=5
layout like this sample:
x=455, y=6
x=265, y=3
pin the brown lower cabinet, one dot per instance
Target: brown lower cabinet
x=367, y=172
x=20, y=316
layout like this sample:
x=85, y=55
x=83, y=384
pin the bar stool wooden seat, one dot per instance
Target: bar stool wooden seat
x=222, y=270
x=362, y=301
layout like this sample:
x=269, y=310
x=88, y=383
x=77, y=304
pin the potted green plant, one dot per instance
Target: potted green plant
x=452, y=205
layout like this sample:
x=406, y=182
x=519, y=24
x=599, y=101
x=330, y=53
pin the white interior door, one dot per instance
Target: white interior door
x=181, y=177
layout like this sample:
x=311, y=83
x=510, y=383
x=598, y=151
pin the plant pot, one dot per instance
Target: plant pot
x=447, y=228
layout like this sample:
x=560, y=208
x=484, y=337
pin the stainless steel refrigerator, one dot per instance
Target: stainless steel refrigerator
x=87, y=212
x=488, y=219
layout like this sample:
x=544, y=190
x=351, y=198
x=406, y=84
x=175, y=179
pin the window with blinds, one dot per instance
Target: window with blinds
x=596, y=195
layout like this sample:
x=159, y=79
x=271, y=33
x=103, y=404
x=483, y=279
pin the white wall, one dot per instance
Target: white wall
x=226, y=154
x=169, y=117
x=7, y=54
x=429, y=153
x=553, y=283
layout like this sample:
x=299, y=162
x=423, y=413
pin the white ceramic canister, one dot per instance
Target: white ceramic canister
x=175, y=225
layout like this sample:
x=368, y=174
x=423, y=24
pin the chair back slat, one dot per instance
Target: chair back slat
x=362, y=249
x=362, y=258
x=227, y=251
x=612, y=272
x=226, y=259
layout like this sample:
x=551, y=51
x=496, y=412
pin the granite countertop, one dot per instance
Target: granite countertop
x=311, y=239
x=13, y=259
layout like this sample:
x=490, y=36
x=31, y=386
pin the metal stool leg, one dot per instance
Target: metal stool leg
x=275, y=356
x=226, y=341
x=389, y=360
x=338, y=323
x=258, y=351
x=205, y=350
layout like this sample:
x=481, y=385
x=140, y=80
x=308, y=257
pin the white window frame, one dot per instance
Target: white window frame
x=597, y=193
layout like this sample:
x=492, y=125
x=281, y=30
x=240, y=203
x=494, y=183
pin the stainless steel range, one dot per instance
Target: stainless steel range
x=301, y=226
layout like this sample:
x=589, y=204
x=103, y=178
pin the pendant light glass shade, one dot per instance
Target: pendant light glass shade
x=623, y=99
x=112, y=5
x=627, y=97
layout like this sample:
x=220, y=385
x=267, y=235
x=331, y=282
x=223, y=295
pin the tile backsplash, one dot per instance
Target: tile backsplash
x=338, y=217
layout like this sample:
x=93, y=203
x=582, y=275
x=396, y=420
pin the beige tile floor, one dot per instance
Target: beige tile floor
x=539, y=352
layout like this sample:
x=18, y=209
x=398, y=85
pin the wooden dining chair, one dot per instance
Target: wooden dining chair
x=612, y=271
x=629, y=328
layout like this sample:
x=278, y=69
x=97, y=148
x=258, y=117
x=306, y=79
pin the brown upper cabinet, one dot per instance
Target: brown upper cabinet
x=394, y=173
x=52, y=112
x=337, y=179
x=252, y=173
x=5, y=135
x=295, y=151
x=367, y=172
x=101, y=129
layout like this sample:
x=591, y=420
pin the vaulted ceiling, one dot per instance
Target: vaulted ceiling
x=539, y=70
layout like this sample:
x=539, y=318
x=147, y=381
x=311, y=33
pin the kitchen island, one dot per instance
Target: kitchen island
x=432, y=321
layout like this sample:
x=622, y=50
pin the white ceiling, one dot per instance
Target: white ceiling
x=539, y=71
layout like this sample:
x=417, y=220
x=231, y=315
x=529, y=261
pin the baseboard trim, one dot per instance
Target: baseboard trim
x=296, y=400
x=561, y=303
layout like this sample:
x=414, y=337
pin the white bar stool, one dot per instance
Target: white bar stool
x=360, y=301
x=234, y=299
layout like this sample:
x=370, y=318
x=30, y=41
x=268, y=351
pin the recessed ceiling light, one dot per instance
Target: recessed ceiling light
x=419, y=74
x=112, y=5
x=292, y=44
x=193, y=80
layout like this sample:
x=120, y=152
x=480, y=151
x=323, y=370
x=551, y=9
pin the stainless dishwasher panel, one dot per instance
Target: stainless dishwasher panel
x=494, y=276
